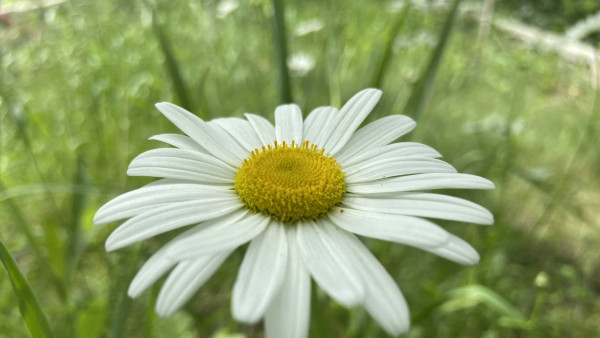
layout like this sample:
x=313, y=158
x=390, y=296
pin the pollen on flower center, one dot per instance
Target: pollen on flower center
x=290, y=182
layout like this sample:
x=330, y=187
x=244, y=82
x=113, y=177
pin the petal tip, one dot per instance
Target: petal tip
x=114, y=243
x=99, y=217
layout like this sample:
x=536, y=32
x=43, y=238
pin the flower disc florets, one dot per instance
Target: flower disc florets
x=290, y=182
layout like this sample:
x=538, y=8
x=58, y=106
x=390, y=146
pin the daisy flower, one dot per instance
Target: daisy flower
x=299, y=192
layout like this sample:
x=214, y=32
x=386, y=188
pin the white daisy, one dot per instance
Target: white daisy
x=298, y=191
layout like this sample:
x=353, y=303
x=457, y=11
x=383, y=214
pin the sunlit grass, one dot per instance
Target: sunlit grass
x=77, y=88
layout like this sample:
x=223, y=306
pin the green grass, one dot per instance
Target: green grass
x=77, y=88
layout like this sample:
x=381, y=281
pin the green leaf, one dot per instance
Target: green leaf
x=31, y=311
x=384, y=61
x=123, y=303
x=35, y=246
x=422, y=88
x=285, y=92
x=75, y=245
x=474, y=295
x=173, y=68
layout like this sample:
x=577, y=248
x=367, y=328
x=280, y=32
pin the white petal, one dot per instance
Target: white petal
x=240, y=149
x=423, y=205
x=352, y=114
x=151, y=271
x=185, y=280
x=181, y=164
x=168, y=217
x=376, y=170
x=327, y=262
x=458, y=251
x=166, y=181
x=179, y=141
x=261, y=274
x=241, y=130
x=393, y=150
x=157, y=265
x=376, y=134
x=421, y=182
x=407, y=230
x=146, y=198
x=222, y=146
x=288, y=314
x=314, y=122
x=383, y=301
x=323, y=121
x=288, y=124
x=263, y=128
x=222, y=234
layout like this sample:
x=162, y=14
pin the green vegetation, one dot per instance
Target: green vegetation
x=556, y=15
x=77, y=86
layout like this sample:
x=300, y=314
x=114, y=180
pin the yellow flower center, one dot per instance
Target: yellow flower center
x=290, y=182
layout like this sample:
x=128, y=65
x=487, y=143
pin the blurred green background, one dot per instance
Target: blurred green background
x=78, y=80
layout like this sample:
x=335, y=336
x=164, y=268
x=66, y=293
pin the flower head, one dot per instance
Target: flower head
x=298, y=191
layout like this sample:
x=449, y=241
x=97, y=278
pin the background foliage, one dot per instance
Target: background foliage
x=78, y=81
x=555, y=15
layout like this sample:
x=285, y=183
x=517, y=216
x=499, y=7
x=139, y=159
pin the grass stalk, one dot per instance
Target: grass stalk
x=285, y=92
x=173, y=67
x=30, y=307
x=35, y=245
x=384, y=61
x=422, y=89
x=123, y=303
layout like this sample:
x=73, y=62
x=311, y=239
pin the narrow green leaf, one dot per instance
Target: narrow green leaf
x=384, y=61
x=422, y=88
x=31, y=311
x=123, y=302
x=473, y=295
x=34, y=244
x=149, y=314
x=202, y=100
x=74, y=241
x=173, y=68
x=285, y=92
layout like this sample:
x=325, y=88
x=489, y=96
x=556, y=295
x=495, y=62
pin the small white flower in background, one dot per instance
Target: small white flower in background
x=226, y=7
x=538, y=174
x=494, y=124
x=308, y=26
x=422, y=38
x=300, y=64
x=298, y=191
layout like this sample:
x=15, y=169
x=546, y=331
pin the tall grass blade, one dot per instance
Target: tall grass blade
x=34, y=244
x=384, y=61
x=123, y=303
x=422, y=88
x=173, y=68
x=31, y=311
x=285, y=92
x=472, y=295
x=73, y=246
x=202, y=101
